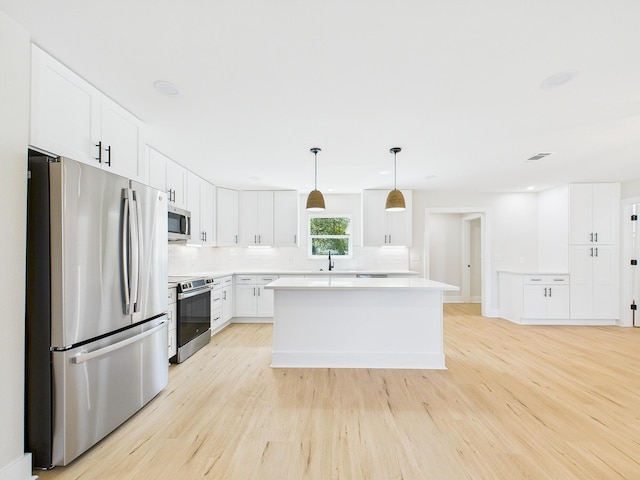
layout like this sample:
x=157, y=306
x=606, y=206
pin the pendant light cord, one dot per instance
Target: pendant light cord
x=395, y=172
x=315, y=176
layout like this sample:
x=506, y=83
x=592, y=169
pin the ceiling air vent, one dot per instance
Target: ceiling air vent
x=537, y=157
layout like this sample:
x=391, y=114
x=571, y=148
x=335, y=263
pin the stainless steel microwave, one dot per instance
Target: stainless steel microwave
x=179, y=224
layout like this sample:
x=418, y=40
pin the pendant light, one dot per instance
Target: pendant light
x=395, y=199
x=315, y=200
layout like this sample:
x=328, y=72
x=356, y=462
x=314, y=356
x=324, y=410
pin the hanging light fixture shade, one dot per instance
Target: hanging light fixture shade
x=395, y=199
x=315, y=200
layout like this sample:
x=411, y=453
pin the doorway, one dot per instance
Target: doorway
x=456, y=250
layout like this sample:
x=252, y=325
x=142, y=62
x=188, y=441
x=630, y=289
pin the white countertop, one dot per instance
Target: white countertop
x=358, y=284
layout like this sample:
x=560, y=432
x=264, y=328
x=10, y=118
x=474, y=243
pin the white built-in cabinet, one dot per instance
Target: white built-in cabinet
x=227, y=234
x=382, y=228
x=286, y=218
x=71, y=118
x=228, y=304
x=593, y=250
x=221, y=301
x=251, y=298
x=546, y=297
x=168, y=176
x=201, y=204
x=256, y=214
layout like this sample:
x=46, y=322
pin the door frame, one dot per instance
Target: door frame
x=485, y=238
x=625, y=318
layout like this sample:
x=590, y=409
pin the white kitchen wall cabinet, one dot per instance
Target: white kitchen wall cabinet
x=286, y=217
x=71, y=118
x=594, y=214
x=256, y=213
x=253, y=302
x=201, y=203
x=226, y=218
x=168, y=176
x=382, y=228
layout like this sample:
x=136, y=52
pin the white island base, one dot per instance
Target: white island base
x=358, y=323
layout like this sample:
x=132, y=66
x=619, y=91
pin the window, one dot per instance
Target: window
x=329, y=233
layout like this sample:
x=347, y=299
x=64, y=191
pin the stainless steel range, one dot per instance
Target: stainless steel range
x=193, y=327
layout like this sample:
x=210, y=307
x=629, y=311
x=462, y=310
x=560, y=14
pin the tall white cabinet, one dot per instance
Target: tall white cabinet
x=71, y=118
x=593, y=251
x=227, y=234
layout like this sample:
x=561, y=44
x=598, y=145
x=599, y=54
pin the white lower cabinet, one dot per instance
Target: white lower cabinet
x=172, y=314
x=546, y=297
x=534, y=298
x=251, y=298
x=227, y=299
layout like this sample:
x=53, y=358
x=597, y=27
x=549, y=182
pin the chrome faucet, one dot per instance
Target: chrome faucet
x=330, y=262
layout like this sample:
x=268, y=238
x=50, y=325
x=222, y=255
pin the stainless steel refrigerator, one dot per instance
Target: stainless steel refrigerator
x=96, y=306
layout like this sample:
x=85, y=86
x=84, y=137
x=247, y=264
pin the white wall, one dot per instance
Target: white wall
x=511, y=224
x=14, y=130
x=445, y=250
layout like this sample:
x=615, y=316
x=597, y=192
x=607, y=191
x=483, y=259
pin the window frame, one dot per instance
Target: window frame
x=311, y=237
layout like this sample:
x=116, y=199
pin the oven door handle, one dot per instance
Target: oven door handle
x=182, y=296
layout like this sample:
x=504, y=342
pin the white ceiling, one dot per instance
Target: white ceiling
x=455, y=83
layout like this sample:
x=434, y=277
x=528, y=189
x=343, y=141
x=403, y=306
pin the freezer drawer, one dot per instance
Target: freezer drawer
x=100, y=385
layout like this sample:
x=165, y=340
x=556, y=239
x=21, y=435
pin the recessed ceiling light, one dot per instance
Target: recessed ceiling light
x=559, y=79
x=430, y=177
x=384, y=172
x=531, y=188
x=166, y=88
x=254, y=179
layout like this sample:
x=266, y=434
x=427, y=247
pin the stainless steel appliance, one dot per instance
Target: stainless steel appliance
x=96, y=323
x=178, y=224
x=193, y=327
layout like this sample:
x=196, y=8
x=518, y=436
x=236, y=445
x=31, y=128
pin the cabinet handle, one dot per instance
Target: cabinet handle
x=99, y=157
x=592, y=237
x=254, y=291
x=169, y=194
x=389, y=239
x=591, y=252
x=596, y=235
x=236, y=239
x=295, y=239
x=259, y=291
x=224, y=295
x=545, y=291
x=255, y=239
x=108, y=149
x=596, y=251
x=259, y=239
x=549, y=292
x=385, y=239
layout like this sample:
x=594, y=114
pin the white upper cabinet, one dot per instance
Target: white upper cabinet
x=200, y=202
x=71, y=118
x=382, y=228
x=226, y=218
x=256, y=212
x=168, y=176
x=285, y=218
x=594, y=213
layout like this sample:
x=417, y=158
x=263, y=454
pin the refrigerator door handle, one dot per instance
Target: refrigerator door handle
x=136, y=254
x=125, y=250
x=86, y=356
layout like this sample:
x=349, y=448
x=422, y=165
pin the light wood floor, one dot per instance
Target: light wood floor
x=516, y=402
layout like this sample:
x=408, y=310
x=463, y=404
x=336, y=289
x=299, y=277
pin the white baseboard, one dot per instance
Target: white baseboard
x=252, y=320
x=567, y=321
x=18, y=470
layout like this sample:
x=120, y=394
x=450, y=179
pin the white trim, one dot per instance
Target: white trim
x=18, y=470
x=484, y=213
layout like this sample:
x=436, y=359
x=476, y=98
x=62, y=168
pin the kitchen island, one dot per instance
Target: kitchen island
x=358, y=323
